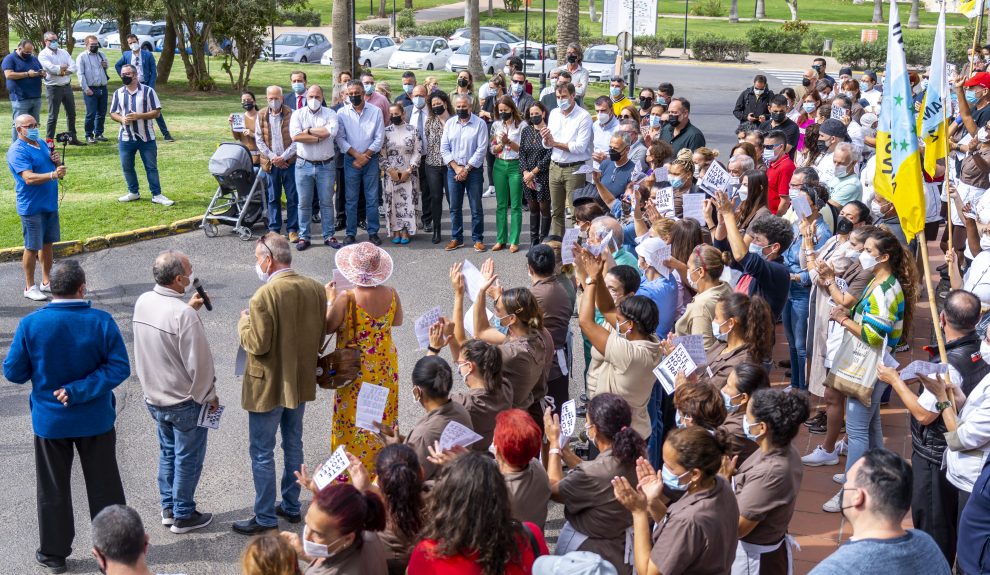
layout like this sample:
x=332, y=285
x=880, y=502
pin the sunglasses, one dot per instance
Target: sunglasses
x=626, y=117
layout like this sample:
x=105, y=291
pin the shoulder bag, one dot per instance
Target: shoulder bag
x=340, y=367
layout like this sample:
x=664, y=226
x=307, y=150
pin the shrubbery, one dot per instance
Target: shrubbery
x=715, y=48
x=299, y=17
x=708, y=8
x=376, y=29
x=652, y=45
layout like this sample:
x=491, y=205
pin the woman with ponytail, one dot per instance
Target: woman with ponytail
x=744, y=328
x=745, y=380
x=704, y=276
x=479, y=365
x=697, y=533
x=595, y=520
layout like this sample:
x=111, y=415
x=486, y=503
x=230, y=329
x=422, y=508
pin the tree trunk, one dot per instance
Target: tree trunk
x=567, y=26
x=474, y=60
x=382, y=9
x=123, y=22
x=70, y=41
x=167, y=58
x=491, y=11
x=913, y=20
x=340, y=37
x=792, y=6
x=878, y=11
x=761, y=11
x=195, y=63
x=409, y=4
x=4, y=38
x=592, y=13
x=734, y=11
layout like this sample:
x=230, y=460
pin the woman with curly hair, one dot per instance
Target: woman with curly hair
x=698, y=404
x=471, y=530
x=269, y=554
x=767, y=484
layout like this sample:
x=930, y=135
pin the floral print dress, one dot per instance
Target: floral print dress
x=402, y=202
x=380, y=366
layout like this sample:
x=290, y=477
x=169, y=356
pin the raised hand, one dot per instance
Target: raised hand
x=632, y=499
x=304, y=479
x=358, y=472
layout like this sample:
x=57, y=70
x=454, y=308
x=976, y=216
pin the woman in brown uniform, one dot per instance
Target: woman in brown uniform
x=697, y=533
x=596, y=521
x=743, y=326
x=704, y=276
x=517, y=450
x=698, y=404
x=743, y=382
x=767, y=484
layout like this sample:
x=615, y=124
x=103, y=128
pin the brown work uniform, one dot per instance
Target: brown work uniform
x=529, y=493
x=698, y=535
x=429, y=429
x=739, y=444
x=369, y=559
x=721, y=365
x=483, y=407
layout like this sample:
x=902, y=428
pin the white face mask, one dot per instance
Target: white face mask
x=867, y=261
x=314, y=104
x=982, y=135
x=841, y=171
x=985, y=350
x=134, y=46
x=743, y=192
x=315, y=549
x=189, y=286
x=262, y=275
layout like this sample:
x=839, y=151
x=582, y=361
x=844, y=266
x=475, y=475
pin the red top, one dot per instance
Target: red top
x=779, y=174
x=422, y=563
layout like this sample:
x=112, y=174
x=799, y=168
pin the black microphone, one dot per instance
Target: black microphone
x=202, y=293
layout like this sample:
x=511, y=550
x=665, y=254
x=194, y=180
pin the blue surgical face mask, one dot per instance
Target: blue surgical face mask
x=671, y=480
x=758, y=250
x=34, y=134
x=615, y=92
x=503, y=329
x=678, y=420
x=517, y=88
x=564, y=105
x=407, y=88
x=727, y=399
x=971, y=97
x=369, y=88
x=419, y=102
x=298, y=87
x=654, y=121
x=676, y=182
x=746, y=425
x=809, y=107
x=716, y=328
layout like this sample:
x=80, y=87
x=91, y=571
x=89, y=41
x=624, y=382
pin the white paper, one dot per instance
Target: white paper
x=888, y=360
x=679, y=360
x=585, y=169
x=695, y=346
x=661, y=174
x=370, y=406
x=473, y=280
x=240, y=360
x=926, y=368
x=457, y=435
x=238, y=124
x=562, y=361
x=333, y=467
x=800, y=205
x=469, y=320
x=423, y=325
x=665, y=201
x=838, y=113
x=694, y=207
x=567, y=244
x=597, y=249
x=208, y=418
x=716, y=179
x=340, y=282
x=639, y=239
x=568, y=415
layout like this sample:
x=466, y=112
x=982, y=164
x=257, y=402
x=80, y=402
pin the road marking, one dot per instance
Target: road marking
x=786, y=77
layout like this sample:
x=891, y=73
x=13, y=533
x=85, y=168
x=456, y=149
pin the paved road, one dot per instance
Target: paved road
x=117, y=277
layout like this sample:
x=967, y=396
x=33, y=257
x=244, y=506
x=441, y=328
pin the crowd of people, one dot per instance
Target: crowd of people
x=689, y=471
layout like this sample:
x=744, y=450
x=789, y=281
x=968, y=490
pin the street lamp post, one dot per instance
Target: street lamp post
x=632, y=53
x=685, y=26
x=525, y=35
x=354, y=54
x=543, y=71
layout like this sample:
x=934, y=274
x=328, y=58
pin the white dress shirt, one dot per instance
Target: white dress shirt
x=417, y=119
x=322, y=118
x=52, y=62
x=574, y=129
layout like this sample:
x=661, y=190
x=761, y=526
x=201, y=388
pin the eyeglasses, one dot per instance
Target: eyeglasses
x=517, y=83
x=770, y=146
x=270, y=253
x=626, y=117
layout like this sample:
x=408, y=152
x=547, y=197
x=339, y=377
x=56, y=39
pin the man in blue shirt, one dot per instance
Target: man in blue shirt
x=35, y=179
x=23, y=72
x=75, y=357
x=463, y=146
x=360, y=136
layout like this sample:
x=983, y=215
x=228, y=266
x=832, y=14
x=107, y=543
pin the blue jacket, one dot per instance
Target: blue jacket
x=73, y=346
x=148, y=69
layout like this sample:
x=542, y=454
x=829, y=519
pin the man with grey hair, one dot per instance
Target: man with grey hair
x=600, y=227
x=134, y=107
x=74, y=357
x=463, y=145
x=281, y=333
x=637, y=151
x=313, y=129
x=360, y=136
x=175, y=366
x=845, y=185
x=59, y=67
x=616, y=172
x=277, y=155
x=120, y=543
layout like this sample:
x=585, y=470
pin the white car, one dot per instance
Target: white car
x=420, y=53
x=537, y=58
x=148, y=33
x=493, y=56
x=488, y=34
x=599, y=61
x=375, y=51
x=86, y=27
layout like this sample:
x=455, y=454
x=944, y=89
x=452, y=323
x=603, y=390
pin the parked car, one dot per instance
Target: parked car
x=99, y=28
x=375, y=51
x=493, y=56
x=297, y=47
x=537, y=58
x=147, y=32
x=488, y=34
x=421, y=53
x=599, y=61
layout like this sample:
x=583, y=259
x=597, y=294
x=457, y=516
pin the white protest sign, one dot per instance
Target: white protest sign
x=562, y=361
x=716, y=179
x=679, y=360
x=926, y=368
x=597, y=249
x=800, y=205
x=664, y=201
x=210, y=417
x=370, y=406
x=695, y=346
x=457, y=435
x=340, y=282
x=889, y=360
x=240, y=360
x=838, y=113
x=333, y=467
x=473, y=280
x=567, y=244
x=423, y=325
x=660, y=174
x=568, y=414
x=237, y=123
x=694, y=207
x=585, y=169
x=469, y=320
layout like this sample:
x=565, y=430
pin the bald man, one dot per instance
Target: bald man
x=277, y=153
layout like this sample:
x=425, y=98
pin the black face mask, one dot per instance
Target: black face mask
x=778, y=117
x=536, y=120
x=805, y=82
x=505, y=116
x=438, y=110
x=127, y=80
x=673, y=120
x=646, y=103
x=462, y=82
x=571, y=59
x=26, y=56
x=396, y=120
x=822, y=147
x=464, y=114
x=247, y=106
x=614, y=155
x=843, y=226
x=356, y=100
x=94, y=49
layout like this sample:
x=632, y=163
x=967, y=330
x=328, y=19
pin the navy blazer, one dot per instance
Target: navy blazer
x=149, y=71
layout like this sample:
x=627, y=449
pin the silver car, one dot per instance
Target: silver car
x=599, y=61
x=488, y=34
x=493, y=56
x=537, y=58
x=86, y=27
x=297, y=47
x=375, y=51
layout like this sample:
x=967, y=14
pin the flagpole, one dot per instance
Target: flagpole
x=923, y=245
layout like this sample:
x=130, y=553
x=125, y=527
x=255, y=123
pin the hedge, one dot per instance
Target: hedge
x=299, y=17
x=790, y=38
x=376, y=29
x=652, y=45
x=443, y=28
x=715, y=48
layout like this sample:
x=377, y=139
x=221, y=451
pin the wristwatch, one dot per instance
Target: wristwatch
x=942, y=406
x=589, y=280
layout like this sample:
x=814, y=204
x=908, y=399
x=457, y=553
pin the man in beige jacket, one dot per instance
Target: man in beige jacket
x=281, y=333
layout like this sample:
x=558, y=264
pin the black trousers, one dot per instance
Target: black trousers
x=53, y=462
x=424, y=196
x=436, y=183
x=935, y=505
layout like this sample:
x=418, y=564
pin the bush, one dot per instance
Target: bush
x=872, y=55
x=409, y=32
x=299, y=17
x=812, y=43
x=796, y=26
x=708, y=8
x=738, y=50
x=774, y=40
x=376, y=29
x=715, y=48
x=406, y=18
x=959, y=40
x=651, y=45
x=674, y=40
x=443, y=28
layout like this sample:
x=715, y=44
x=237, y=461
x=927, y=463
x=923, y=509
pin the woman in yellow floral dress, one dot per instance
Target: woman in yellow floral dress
x=378, y=310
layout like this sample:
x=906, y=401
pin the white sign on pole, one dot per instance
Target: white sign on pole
x=619, y=16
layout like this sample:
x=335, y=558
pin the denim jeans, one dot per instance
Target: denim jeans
x=182, y=446
x=795, y=319
x=472, y=185
x=370, y=177
x=149, y=157
x=96, y=111
x=261, y=434
x=279, y=180
x=315, y=178
x=30, y=106
x=863, y=425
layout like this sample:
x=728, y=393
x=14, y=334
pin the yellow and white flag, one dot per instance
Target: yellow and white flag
x=898, y=173
x=970, y=9
x=932, y=124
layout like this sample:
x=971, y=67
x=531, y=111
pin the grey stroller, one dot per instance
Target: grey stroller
x=240, y=197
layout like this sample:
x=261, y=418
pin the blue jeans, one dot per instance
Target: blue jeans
x=149, y=157
x=96, y=111
x=863, y=425
x=182, y=446
x=278, y=180
x=261, y=434
x=353, y=178
x=318, y=178
x=472, y=185
x=795, y=319
x=30, y=106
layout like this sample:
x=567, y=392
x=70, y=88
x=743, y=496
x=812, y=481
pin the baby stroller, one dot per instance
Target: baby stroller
x=240, y=198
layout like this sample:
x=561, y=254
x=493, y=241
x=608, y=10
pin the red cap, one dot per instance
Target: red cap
x=979, y=79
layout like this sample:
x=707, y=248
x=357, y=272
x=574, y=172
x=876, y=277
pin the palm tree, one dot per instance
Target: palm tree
x=734, y=11
x=593, y=14
x=913, y=20
x=567, y=25
x=761, y=11
x=4, y=37
x=877, y=11
x=340, y=37
x=474, y=60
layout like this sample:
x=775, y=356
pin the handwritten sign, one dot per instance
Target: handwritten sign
x=664, y=201
x=694, y=207
x=716, y=179
x=210, y=417
x=370, y=406
x=457, y=435
x=237, y=123
x=568, y=415
x=597, y=249
x=679, y=360
x=567, y=244
x=800, y=205
x=889, y=360
x=926, y=368
x=333, y=467
x=423, y=325
x=585, y=169
x=838, y=113
x=695, y=346
x=661, y=174
x=473, y=280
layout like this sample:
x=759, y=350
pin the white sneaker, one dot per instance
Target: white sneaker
x=839, y=478
x=490, y=192
x=129, y=198
x=46, y=288
x=841, y=447
x=35, y=294
x=161, y=199
x=820, y=456
x=833, y=505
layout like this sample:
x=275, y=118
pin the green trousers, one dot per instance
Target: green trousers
x=508, y=192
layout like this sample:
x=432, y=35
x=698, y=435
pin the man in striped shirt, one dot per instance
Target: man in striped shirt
x=134, y=107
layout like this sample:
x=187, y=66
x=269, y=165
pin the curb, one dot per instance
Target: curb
x=98, y=243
